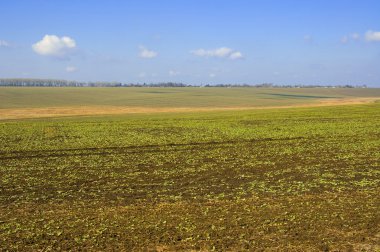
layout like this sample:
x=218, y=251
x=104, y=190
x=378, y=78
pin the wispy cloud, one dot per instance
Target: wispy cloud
x=4, y=43
x=144, y=75
x=372, y=35
x=308, y=38
x=351, y=37
x=174, y=73
x=355, y=36
x=222, y=52
x=344, y=40
x=52, y=45
x=146, y=53
x=71, y=69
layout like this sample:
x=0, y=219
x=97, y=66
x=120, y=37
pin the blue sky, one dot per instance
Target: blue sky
x=197, y=42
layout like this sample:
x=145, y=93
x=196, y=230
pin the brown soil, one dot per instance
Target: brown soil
x=20, y=113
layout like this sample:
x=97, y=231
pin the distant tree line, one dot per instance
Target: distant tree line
x=54, y=83
x=270, y=85
x=67, y=83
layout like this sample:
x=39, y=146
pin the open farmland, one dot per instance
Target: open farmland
x=300, y=178
x=31, y=97
x=29, y=102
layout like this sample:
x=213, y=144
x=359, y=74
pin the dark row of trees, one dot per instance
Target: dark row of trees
x=67, y=83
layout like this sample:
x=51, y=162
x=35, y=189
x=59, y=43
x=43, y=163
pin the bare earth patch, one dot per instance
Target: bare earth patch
x=20, y=113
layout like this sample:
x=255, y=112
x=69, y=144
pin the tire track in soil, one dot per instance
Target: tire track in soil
x=131, y=149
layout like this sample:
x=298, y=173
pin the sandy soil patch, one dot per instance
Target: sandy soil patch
x=19, y=113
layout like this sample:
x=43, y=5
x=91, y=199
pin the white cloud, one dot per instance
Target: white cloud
x=52, y=45
x=372, y=35
x=222, y=52
x=146, y=53
x=4, y=43
x=71, y=69
x=212, y=75
x=174, y=73
x=236, y=55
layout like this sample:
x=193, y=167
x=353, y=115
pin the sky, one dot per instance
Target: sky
x=324, y=42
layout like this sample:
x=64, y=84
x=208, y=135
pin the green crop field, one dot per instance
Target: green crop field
x=284, y=179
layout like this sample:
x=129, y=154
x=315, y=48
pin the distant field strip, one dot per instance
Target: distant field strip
x=39, y=97
x=20, y=113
